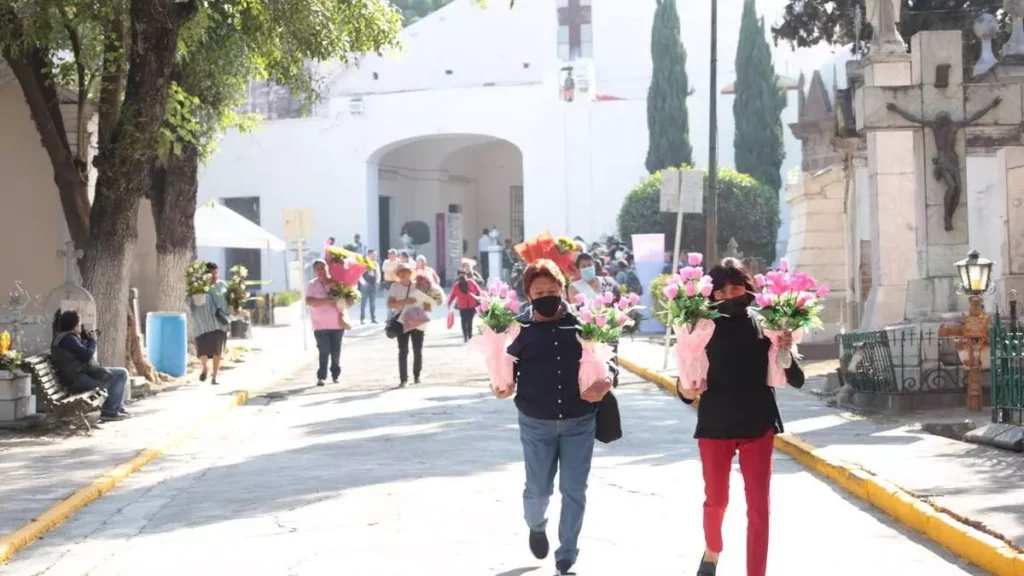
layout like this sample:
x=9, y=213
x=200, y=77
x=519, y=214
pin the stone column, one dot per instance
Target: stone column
x=892, y=179
x=816, y=239
x=1008, y=201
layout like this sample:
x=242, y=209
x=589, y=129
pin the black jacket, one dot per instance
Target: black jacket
x=547, y=368
x=738, y=402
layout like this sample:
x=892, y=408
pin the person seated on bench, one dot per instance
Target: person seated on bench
x=73, y=355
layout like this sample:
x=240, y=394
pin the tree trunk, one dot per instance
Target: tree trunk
x=124, y=165
x=173, y=198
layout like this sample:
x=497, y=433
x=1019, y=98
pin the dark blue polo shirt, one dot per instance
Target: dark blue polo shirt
x=547, y=368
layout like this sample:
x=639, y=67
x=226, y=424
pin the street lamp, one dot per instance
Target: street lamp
x=975, y=274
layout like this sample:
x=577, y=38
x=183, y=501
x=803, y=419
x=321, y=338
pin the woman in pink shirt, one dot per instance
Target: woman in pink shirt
x=326, y=326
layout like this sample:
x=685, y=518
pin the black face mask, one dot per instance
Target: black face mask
x=547, y=306
x=734, y=307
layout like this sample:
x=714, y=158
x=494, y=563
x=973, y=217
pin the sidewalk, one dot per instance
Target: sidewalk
x=40, y=471
x=982, y=486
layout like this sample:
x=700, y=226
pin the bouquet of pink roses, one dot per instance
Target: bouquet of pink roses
x=498, y=309
x=601, y=322
x=789, y=302
x=691, y=314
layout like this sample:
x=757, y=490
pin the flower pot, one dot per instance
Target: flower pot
x=14, y=385
x=240, y=328
x=199, y=299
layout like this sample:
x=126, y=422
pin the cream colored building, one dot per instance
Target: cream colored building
x=31, y=217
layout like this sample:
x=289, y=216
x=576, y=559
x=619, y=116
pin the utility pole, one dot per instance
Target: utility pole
x=711, y=249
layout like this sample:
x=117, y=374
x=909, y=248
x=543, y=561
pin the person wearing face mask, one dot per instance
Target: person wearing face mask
x=556, y=424
x=737, y=413
x=590, y=284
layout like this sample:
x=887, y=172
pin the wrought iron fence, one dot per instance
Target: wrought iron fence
x=1006, y=341
x=896, y=361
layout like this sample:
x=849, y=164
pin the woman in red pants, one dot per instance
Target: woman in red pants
x=737, y=413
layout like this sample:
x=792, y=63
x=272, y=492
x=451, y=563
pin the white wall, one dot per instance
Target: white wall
x=986, y=210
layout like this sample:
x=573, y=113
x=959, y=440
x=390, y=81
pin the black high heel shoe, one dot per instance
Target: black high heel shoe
x=706, y=568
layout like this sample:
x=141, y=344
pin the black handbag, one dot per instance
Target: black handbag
x=393, y=327
x=609, y=423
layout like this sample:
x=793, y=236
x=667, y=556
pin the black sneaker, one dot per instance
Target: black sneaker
x=320, y=382
x=564, y=567
x=416, y=380
x=104, y=417
x=402, y=384
x=334, y=380
x=539, y=544
x=706, y=568
x=124, y=413
x=202, y=376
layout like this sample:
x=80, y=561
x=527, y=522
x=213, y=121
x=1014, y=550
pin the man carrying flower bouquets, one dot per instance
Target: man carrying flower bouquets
x=322, y=296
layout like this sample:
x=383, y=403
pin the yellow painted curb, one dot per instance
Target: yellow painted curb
x=977, y=547
x=61, y=511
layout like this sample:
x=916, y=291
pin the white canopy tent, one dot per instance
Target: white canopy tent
x=218, y=226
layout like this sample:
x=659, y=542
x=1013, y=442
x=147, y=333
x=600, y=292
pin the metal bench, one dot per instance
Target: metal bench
x=56, y=398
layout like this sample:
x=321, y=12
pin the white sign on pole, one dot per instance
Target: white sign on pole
x=684, y=187
x=298, y=224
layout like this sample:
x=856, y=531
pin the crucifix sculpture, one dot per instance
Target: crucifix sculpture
x=574, y=16
x=946, y=162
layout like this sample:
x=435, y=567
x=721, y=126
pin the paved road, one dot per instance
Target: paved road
x=365, y=480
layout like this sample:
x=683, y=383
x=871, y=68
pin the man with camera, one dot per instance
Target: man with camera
x=73, y=355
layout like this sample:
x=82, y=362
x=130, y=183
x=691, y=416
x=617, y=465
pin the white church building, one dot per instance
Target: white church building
x=472, y=117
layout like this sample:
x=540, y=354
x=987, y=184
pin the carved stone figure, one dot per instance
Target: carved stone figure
x=986, y=27
x=946, y=162
x=884, y=16
x=1014, y=47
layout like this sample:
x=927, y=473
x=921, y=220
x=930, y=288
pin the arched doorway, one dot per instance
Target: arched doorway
x=441, y=191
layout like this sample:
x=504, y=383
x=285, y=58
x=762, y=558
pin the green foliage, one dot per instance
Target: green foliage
x=229, y=42
x=807, y=23
x=657, y=291
x=287, y=298
x=757, y=108
x=747, y=211
x=667, y=117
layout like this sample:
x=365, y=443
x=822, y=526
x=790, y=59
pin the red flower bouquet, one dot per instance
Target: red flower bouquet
x=561, y=251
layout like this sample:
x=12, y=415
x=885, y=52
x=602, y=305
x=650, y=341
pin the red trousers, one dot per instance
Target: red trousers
x=756, y=467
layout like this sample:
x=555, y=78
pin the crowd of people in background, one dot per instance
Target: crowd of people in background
x=600, y=267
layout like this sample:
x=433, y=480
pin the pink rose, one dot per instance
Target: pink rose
x=784, y=264
x=760, y=280
x=694, y=258
x=705, y=289
x=623, y=303
x=602, y=320
x=581, y=299
x=698, y=272
x=691, y=290
x=671, y=291
x=622, y=319
x=764, y=300
x=687, y=273
x=609, y=297
x=503, y=291
x=484, y=306
x=492, y=290
x=823, y=291
x=512, y=295
x=513, y=305
x=634, y=299
x=586, y=316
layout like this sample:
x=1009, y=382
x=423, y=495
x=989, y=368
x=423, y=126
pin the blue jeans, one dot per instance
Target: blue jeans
x=328, y=344
x=115, y=382
x=369, y=293
x=566, y=446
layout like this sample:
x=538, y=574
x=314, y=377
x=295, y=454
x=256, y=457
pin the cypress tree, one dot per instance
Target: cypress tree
x=667, y=121
x=758, y=105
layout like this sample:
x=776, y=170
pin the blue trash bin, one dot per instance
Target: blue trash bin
x=167, y=342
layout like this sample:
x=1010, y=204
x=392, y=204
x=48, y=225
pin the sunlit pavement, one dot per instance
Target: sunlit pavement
x=364, y=479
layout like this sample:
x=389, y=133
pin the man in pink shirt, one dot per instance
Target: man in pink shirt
x=326, y=326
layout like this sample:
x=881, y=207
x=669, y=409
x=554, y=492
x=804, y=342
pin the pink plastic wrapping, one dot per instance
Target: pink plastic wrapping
x=691, y=358
x=594, y=366
x=500, y=364
x=776, y=373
